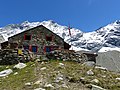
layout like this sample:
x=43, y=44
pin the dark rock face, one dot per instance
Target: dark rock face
x=9, y=57
x=113, y=41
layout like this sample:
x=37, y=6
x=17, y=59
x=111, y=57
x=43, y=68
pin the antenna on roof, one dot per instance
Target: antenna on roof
x=69, y=28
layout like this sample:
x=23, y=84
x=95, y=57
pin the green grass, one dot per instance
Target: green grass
x=71, y=71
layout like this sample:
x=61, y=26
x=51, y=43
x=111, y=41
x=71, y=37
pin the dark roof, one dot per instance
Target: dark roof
x=35, y=28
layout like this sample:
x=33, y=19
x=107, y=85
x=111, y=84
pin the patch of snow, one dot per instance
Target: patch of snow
x=78, y=49
x=106, y=49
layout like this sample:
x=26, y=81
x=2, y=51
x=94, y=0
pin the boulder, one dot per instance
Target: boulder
x=5, y=72
x=94, y=87
x=109, y=60
x=89, y=63
x=20, y=66
x=90, y=72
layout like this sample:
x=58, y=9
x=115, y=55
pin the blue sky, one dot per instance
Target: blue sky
x=87, y=15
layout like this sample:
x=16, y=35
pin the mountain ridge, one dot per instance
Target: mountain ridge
x=107, y=36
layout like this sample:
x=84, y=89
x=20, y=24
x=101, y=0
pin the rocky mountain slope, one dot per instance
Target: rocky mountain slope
x=57, y=75
x=107, y=36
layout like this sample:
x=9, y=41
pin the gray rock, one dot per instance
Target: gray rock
x=39, y=89
x=43, y=68
x=94, y=87
x=20, y=66
x=5, y=72
x=28, y=84
x=95, y=81
x=90, y=72
x=109, y=60
x=89, y=63
x=49, y=86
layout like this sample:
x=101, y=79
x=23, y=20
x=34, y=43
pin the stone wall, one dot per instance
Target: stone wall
x=69, y=55
x=10, y=56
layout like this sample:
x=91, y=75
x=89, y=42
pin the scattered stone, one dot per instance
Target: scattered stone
x=95, y=81
x=39, y=89
x=94, y=87
x=102, y=68
x=7, y=67
x=15, y=73
x=20, y=66
x=83, y=81
x=42, y=63
x=82, y=78
x=49, y=86
x=64, y=59
x=90, y=72
x=64, y=86
x=61, y=64
x=89, y=63
x=118, y=79
x=58, y=79
x=43, y=68
x=28, y=84
x=104, y=76
x=5, y=72
x=38, y=60
x=37, y=82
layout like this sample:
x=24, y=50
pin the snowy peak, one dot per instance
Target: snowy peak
x=108, y=36
x=117, y=22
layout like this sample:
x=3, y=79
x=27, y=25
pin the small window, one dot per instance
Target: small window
x=34, y=48
x=47, y=49
x=48, y=38
x=27, y=37
x=26, y=47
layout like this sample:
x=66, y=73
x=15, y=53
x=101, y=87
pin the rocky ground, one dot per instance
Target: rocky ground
x=58, y=75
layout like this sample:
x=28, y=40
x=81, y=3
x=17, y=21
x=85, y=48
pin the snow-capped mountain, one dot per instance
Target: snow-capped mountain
x=108, y=36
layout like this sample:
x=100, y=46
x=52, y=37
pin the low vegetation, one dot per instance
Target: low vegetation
x=58, y=75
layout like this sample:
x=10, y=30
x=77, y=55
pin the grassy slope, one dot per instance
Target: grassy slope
x=71, y=71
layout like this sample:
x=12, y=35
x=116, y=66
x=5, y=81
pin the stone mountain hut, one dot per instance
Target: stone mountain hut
x=38, y=40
